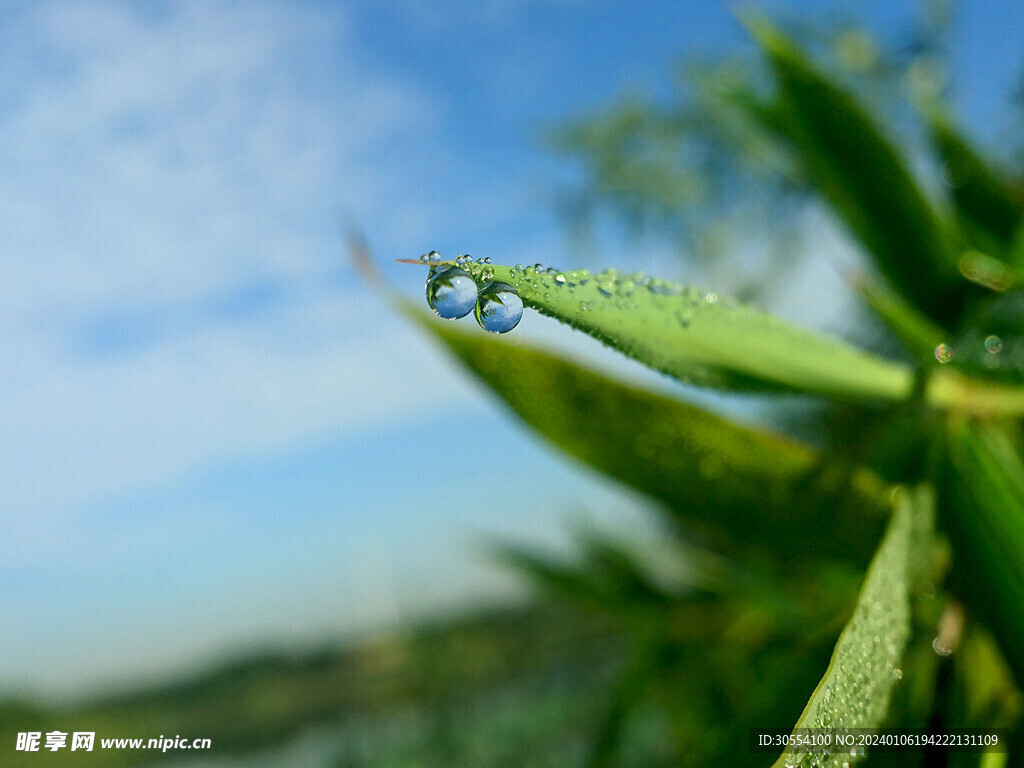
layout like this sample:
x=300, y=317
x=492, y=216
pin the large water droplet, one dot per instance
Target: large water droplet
x=451, y=293
x=993, y=344
x=498, y=307
x=943, y=353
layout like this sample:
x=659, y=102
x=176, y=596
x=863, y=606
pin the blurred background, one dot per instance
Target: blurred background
x=242, y=499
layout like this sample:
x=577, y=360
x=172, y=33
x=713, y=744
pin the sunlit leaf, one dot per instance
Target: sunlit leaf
x=701, y=337
x=866, y=663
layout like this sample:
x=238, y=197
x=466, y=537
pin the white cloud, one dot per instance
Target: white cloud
x=155, y=166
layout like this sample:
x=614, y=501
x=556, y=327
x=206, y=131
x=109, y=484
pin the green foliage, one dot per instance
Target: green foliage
x=857, y=686
x=865, y=180
x=985, y=200
x=511, y=687
x=984, y=512
x=740, y=488
x=770, y=527
x=702, y=338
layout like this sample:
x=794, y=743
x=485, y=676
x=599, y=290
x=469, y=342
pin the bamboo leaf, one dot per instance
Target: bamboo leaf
x=865, y=179
x=866, y=663
x=701, y=337
x=739, y=487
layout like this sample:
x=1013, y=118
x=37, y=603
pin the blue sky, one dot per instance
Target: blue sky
x=212, y=433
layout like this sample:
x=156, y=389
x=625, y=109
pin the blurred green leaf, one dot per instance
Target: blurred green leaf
x=984, y=199
x=984, y=514
x=855, y=691
x=866, y=181
x=920, y=336
x=701, y=337
x=736, y=486
x=986, y=696
x=1015, y=252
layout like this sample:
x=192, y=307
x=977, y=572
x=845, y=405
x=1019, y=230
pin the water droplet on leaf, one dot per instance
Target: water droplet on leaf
x=451, y=293
x=498, y=307
x=943, y=353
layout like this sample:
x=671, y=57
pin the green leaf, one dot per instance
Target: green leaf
x=736, y=486
x=984, y=514
x=866, y=181
x=701, y=337
x=855, y=691
x=984, y=198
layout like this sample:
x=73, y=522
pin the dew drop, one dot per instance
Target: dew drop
x=943, y=353
x=451, y=293
x=498, y=307
x=487, y=273
x=993, y=345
